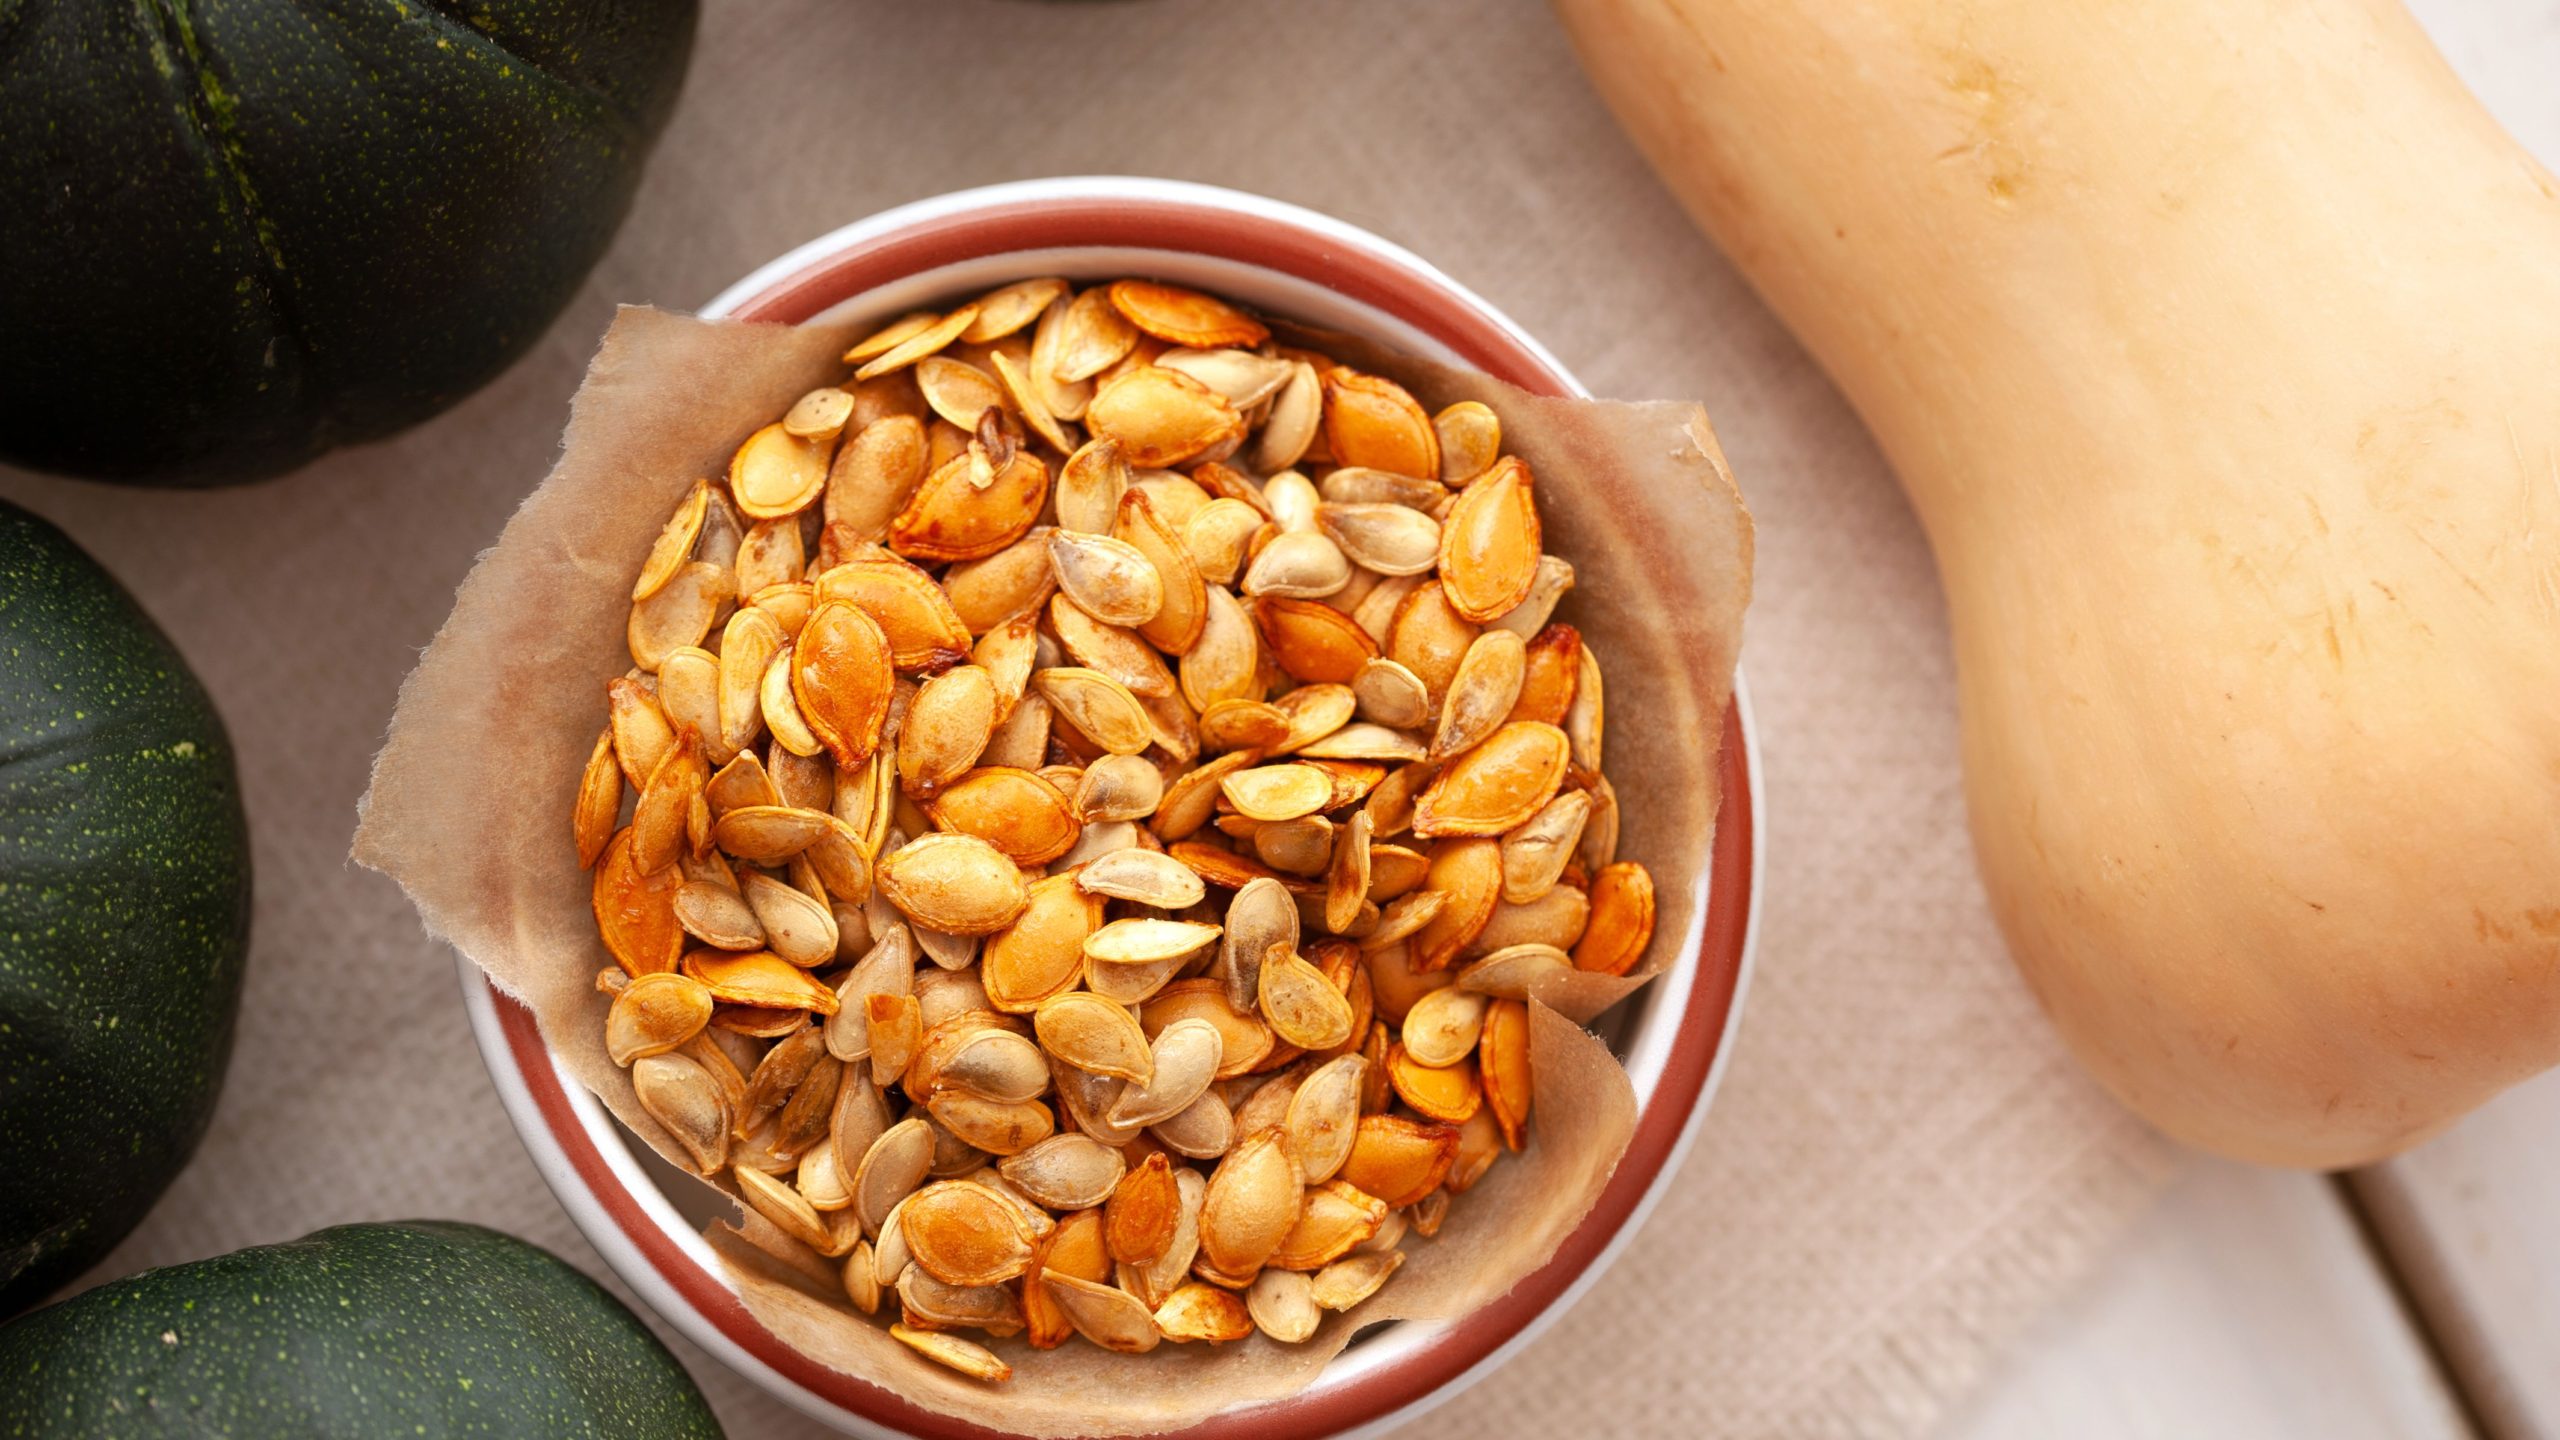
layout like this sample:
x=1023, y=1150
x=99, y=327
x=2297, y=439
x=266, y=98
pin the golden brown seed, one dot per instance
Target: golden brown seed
x=994, y=1127
x=1399, y=1160
x=1184, y=317
x=1371, y=421
x=1489, y=544
x=1252, y=1203
x=1302, y=1006
x=875, y=473
x=1118, y=787
x=1041, y=952
x=958, y=884
x=1450, y=1094
x=1278, y=792
x=1503, y=1059
x=912, y=342
x=776, y=473
x=674, y=545
x=1144, y=1209
x=1470, y=441
x=1092, y=1034
x=1218, y=536
x=842, y=678
x=1162, y=417
x=1621, y=923
x=635, y=908
x=1335, y=1219
x=946, y=729
x=1203, y=1312
x=1123, y=655
x=1244, y=1041
x=969, y=1358
x=1012, y=307
x=1017, y=811
x=599, y=801
x=1535, y=853
x=956, y=390
x=1312, y=641
x=964, y=1234
x=1497, y=785
x=953, y=517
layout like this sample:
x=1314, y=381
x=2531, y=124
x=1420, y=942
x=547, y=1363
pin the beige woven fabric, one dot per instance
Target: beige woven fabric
x=1902, y=1164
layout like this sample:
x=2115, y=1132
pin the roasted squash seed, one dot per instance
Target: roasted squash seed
x=1124, y=886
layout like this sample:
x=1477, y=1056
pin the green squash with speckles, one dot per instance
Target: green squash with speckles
x=124, y=910
x=420, y=1328
x=240, y=232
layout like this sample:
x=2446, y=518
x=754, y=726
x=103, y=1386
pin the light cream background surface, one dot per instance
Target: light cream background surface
x=1902, y=1166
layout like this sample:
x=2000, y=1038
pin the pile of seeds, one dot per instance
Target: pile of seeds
x=1105, y=786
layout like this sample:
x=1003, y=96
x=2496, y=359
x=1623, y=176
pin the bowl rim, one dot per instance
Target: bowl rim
x=574, y=1140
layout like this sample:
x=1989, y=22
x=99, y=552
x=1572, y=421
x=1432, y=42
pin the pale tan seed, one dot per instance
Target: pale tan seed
x=1299, y=565
x=998, y=1065
x=887, y=968
x=1355, y=485
x=1389, y=539
x=769, y=556
x=1138, y=941
x=1092, y=336
x=1106, y=1315
x=1010, y=308
x=1598, y=848
x=1122, y=655
x=784, y=1206
x=819, y=415
x=1111, y=580
x=1442, y=1027
x=1186, y=1056
x=1481, y=693
x=1023, y=739
x=1302, y=1005
x=1513, y=971
x=677, y=614
x=1324, y=1116
x=689, y=693
x=718, y=916
x=1582, y=719
x=1282, y=1303
x=641, y=735
x=958, y=391
x=1245, y=378
x=797, y=926
x=1219, y=536
x=1363, y=740
x=1277, y=792
x=1118, y=787
x=1297, y=409
x=1389, y=695
x=1347, y=876
x=1145, y=876
x=1202, y=1130
x=1261, y=918
x=1066, y=399
x=1065, y=1172
x=655, y=1014
x=1535, y=853
x=1354, y=1278
x=861, y=1286
x=1099, y=707
x=747, y=647
x=675, y=542
x=682, y=1097
x=768, y=834
x=890, y=1171
x=1554, y=577
x=1470, y=440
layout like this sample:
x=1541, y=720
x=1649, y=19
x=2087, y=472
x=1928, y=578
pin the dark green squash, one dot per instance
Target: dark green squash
x=240, y=232
x=421, y=1328
x=124, y=910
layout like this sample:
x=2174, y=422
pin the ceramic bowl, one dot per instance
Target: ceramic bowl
x=1674, y=1035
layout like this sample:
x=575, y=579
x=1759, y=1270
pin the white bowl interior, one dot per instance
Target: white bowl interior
x=1643, y=1030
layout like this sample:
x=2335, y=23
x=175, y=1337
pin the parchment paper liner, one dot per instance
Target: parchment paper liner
x=469, y=811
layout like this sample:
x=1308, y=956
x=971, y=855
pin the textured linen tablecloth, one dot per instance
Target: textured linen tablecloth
x=1902, y=1165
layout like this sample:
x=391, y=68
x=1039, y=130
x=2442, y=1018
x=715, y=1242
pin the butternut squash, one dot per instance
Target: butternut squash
x=2217, y=343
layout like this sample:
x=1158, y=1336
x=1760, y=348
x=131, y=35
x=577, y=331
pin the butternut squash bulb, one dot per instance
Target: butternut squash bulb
x=2217, y=343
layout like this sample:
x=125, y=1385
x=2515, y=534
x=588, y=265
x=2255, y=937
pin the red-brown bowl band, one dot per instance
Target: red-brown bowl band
x=1479, y=341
